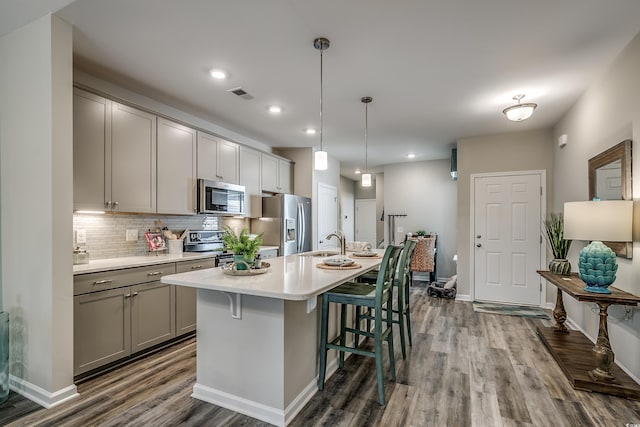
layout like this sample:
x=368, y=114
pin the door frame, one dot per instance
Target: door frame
x=472, y=215
x=355, y=225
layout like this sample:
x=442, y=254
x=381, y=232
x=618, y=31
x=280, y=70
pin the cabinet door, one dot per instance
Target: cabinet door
x=207, y=157
x=284, y=176
x=228, y=159
x=152, y=315
x=176, y=167
x=270, y=173
x=186, y=297
x=91, y=127
x=133, y=159
x=250, y=178
x=102, y=327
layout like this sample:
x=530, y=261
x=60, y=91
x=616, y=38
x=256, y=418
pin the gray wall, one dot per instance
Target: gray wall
x=515, y=151
x=606, y=114
x=427, y=194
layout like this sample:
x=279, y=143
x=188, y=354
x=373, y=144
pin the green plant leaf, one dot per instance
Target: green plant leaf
x=554, y=227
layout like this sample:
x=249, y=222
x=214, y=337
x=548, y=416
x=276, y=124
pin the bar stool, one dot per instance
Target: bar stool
x=402, y=312
x=376, y=297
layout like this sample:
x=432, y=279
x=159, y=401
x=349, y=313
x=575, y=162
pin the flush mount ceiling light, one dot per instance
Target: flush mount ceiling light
x=218, y=74
x=321, y=44
x=411, y=156
x=357, y=172
x=519, y=112
x=310, y=131
x=366, y=176
x=275, y=109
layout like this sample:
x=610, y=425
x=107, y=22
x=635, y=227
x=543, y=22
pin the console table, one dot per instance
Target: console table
x=586, y=366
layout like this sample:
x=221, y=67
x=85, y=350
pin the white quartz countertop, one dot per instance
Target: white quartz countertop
x=107, y=264
x=294, y=277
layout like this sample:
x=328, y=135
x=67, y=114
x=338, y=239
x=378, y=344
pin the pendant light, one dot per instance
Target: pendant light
x=320, y=162
x=519, y=112
x=366, y=176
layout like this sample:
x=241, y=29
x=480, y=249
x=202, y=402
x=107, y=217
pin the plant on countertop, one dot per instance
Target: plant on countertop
x=421, y=233
x=554, y=226
x=243, y=244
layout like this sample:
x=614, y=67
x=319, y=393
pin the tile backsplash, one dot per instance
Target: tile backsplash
x=106, y=234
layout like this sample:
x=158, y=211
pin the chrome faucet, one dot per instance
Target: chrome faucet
x=340, y=236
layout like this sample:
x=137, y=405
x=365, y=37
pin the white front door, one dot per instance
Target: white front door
x=327, y=215
x=507, y=237
x=366, y=221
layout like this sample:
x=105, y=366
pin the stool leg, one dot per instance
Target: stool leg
x=358, y=321
x=407, y=312
x=343, y=333
x=324, y=324
x=392, y=356
x=378, y=356
x=400, y=320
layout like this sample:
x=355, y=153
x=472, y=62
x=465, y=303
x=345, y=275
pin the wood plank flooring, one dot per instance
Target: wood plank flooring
x=464, y=369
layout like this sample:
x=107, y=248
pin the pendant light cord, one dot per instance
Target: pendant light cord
x=321, y=100
x=366, y=141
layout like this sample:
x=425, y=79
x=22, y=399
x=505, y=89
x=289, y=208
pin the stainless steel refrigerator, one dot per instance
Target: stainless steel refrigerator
x=285, y=222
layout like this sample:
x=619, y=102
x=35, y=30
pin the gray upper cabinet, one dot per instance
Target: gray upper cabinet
x=218, y=160
x=114, y=149
x=250, y=177
x=276, y=174
x=133, y=160
x=91, y=128
x=176, y=166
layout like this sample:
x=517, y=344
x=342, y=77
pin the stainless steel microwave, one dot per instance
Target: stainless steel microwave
x=220, y=198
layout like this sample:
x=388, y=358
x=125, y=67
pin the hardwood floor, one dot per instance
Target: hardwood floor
x=464, y=369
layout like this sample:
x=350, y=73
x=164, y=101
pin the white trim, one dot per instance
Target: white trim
x=464, y=298
x=39, y=395
x=472, y=215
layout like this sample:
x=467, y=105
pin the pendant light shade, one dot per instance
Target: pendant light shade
x=320, y=157
x=519, y=112
x=366, y=176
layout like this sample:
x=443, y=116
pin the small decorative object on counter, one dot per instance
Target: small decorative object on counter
x=155, y=241
x=244, y=246
x=80, y=256
x=554, y=227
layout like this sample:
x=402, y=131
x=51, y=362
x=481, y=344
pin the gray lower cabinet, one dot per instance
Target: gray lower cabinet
x=186, y=297
x=121, y=312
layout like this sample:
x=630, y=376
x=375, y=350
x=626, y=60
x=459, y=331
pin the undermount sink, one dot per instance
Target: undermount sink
x=321, y=253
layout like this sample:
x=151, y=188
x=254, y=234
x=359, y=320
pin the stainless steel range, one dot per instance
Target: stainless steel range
x=208, y=241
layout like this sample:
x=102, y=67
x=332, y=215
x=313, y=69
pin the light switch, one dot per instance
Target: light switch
x=132, y=234
x=81, y=236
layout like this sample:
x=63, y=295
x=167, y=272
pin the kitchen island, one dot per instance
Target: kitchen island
x=258, y=335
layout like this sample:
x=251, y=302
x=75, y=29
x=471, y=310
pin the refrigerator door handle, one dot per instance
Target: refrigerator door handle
x=303, y=235
x=300, y=231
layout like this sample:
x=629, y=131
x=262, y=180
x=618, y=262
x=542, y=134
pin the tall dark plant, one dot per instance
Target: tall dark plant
x=554, y=226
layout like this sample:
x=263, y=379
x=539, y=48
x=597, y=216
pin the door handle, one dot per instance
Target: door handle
x=478, y=245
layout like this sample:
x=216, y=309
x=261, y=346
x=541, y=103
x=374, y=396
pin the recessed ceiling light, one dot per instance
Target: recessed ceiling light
x=410, y=156
x=218, y=74
x=310, y=131
x=357, y=171
x=275, y=109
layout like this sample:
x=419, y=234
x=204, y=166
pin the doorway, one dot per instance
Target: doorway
x=327, y=215
x=506, y=238
x=366, y=221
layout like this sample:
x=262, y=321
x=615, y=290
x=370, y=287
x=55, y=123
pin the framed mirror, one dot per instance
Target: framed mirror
x=610, y=179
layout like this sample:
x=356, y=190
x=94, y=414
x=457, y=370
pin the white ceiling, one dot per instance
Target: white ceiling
x=437, y=70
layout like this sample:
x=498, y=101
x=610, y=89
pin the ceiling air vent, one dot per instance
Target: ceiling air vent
x=241, y=93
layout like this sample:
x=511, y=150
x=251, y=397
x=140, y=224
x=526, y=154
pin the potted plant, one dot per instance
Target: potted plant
x=243, y=246
x=554, y=226
x=421, y=233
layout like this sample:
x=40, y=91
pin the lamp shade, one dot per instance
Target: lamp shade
x=608, y=220
x=366, y=180
x=321, y=160
x=520, y=112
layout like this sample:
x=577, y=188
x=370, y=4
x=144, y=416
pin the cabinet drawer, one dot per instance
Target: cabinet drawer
x=200, y=264
x=93, y=282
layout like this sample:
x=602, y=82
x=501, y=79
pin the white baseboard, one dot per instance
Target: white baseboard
x=39, y=395
x=460, y=297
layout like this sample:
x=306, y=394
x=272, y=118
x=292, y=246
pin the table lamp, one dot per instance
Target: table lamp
x=608, y=220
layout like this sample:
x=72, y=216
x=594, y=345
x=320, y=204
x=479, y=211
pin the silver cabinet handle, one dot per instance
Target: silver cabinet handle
x=115, y=204
x=478, y=245
x=154, y=273
x=107, y=204
x=135, y=294
x=127, y=296
x=102, y=282
x=196, y=267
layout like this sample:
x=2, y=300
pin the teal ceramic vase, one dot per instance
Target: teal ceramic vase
x=241, y=262
x=597, y=265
